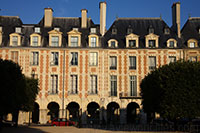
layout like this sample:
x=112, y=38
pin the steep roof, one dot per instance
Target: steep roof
x=140, y=27
x=191, y=30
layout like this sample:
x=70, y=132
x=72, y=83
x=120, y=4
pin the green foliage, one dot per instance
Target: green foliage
x=173, y=90
x=17, y=92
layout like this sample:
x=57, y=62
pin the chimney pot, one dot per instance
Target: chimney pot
x=102, y=6
x=84, y=18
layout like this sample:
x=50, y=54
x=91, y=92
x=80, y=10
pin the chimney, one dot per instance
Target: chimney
x=102, y=7
x=84, y=18
x=48, y=17
x=176, y=18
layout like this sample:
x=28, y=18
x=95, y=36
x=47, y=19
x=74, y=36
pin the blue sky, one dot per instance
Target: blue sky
x=32, y=11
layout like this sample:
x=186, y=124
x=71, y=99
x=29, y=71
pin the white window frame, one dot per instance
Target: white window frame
x=113, y=85
x=93, y=59
x=74, y=58
x=15, y=40
x=152, y=62
x=132, y=62
x=93, y=84
x=74, y=84
x=55, y=41
x=37, y=29
x=113, y=62
x=54, y=84
x=35, y=41
x=34, y=58
x=93, y=41
x=133, y=85
x=74, y=41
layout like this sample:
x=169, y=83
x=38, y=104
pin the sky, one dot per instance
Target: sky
x=32, y=11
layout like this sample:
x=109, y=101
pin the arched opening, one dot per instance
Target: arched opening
x=132, y=111
x=113, y=113
x=35, y=113
x=73, y=111
x=53, y=110
x=93, y=113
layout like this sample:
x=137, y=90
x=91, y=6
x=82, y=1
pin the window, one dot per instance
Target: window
x=193, y=58
x=113, y=44
x=37, y=30
x=192, y=44
x=93, y=41
x=113, y=85
x=152, y=43
x=76, y=29
x=74, y=85
x=114, y=31
x=133, y=86
x=93, y=59
x=171, y=44
x=35, y=58
x=129, y=31
x=74, y=41
x=55, y=41
x=151, y=30
x=93, y=84
x=132, y=43
x=132, y=60
x=18, y=29
x=14, y=56
x=93, y=30
x=54, y=84
x=172, y=59
x=15, y=40
x=35, y=41
x=113, y=62
x=167, y=31
x=57, y=29
x=74, y=59
x=152, y=62
x=54, y=58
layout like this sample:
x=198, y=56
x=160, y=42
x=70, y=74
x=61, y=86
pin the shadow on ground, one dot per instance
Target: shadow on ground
x=20, y=129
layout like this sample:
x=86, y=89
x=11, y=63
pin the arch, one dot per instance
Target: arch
x=35, y=113
x=93, y=113
x=53, y=110
x=132, y=111
x=113, y=113
x=73, y=112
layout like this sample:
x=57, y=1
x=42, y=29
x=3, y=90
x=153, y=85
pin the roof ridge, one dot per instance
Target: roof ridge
x=194, y=18
x=10, y=16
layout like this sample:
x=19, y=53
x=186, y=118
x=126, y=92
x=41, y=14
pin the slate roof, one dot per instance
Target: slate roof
x=191, y=30
x=140, y=27
x=65, y=24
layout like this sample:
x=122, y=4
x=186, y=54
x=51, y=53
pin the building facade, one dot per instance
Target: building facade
x=87, y=73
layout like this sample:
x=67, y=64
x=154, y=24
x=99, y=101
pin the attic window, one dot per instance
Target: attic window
x=76, y=29
x=129, y=31
x=37, y=30
x=151, y=30
x=57, y=29
x=114, y=31
x=93, y=30
x=167, y=31
x=18, y=29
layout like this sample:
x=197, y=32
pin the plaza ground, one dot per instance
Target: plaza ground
x=49, y=129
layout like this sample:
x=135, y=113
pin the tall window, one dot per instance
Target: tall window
x=15, y=40
x=74, y=85
x=74, y=41
x=193, y=58
x=93, y=41
x=152, y=62
x=152, y=43
x=14, y=56
x=133, y=86
x=54, y=58
x=113, y=62
x=172, y=59
x=93, y=59
x=35, y=58
x=35, y=41
x=113, y=85
x=74, y=59
x=54, y=84
x=55, y=41
x=132, y=43
x=132, y=60
x=93, y=84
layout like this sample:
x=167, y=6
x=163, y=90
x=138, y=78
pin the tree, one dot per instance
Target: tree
x=173, y=90
x=17, y=91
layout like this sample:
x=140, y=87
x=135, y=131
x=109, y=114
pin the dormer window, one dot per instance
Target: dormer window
x=93, y=41
x=93, y=30
x=114, y=30
x=132, y=43
x=55, y=38
x=192, y=43
x=167, y=31
x=152, y=43
x=14, y=40
x=151, y=30
x=74, y=38
x=57, y=29
x=75, y=29
x=35, y=40
x=171, y=43
x=113, y=43
x=55, y=41
x=37, y=29
x=74, y=41
x=18, y=29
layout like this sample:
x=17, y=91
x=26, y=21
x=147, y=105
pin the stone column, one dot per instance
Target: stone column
x=43, y=116
x=84, y=117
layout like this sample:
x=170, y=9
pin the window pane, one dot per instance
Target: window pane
x=74, y=59
x=113, y=62
x=15, y=40
x=152, y=43
x=113, y=44
x=113, y=85
x=171, y=44
x=35, y=57
x=172, y=59
x=54, y=84
x=74, y=86
x=132, y=62
x=132, y=43
x=93, y=59
x=192, y=45
x=93, y=42
x=193, y=58
x=74, y=41
x=133, y=86
x=93, y=84
x=35, y=41
x=54, y=41
x=14, y=56
x=54, y=58
x=152, y=62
